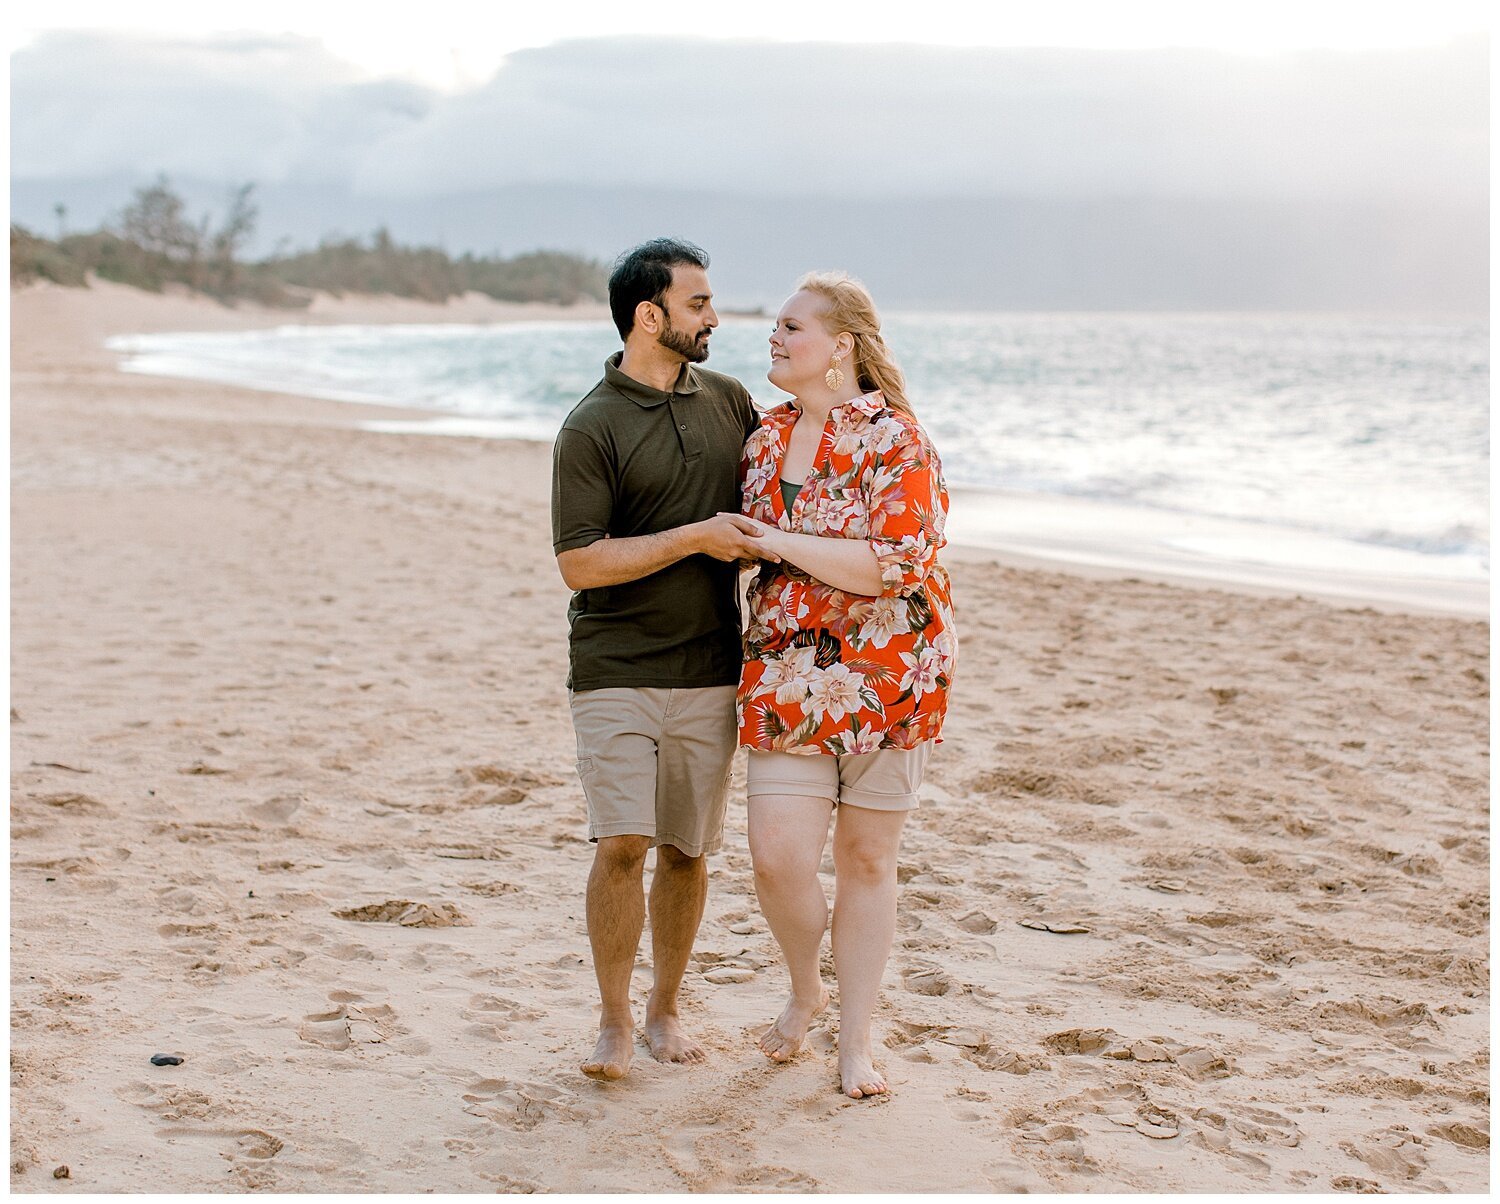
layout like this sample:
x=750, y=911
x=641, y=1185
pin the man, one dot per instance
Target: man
x=642, y=469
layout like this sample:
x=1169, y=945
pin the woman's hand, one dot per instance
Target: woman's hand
x=764, y=534
x=846, y=564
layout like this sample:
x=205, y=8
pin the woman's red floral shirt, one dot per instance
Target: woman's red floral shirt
x=833, y=672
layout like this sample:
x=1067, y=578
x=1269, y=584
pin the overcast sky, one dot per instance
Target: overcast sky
x=765, y=117
x=455, y=44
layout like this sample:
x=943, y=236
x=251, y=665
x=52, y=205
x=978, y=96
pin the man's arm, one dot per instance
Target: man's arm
x=609, y=561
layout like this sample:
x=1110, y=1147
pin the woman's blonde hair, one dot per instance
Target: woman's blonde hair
x=851, y=308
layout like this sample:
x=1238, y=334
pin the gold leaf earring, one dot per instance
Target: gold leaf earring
x=834, y=377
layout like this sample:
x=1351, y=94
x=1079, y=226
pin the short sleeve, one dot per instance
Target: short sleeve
x=908, y=505
x=749, y=419
x=583, y=491
x=751, y=416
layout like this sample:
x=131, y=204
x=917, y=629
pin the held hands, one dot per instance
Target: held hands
x=734, y=537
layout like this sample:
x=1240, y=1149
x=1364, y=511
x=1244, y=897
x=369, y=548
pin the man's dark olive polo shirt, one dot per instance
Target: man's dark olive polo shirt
x=633, y=460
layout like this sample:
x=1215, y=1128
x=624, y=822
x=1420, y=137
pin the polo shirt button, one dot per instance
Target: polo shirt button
x=682, y=427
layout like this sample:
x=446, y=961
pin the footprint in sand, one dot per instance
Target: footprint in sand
x=1062, y=1142
x=249, y=1152
x=249, y=1143
x=705, y=1149
x=1395, y=1152
x=82, y=874
x=189, y=930
x=1384, y=1013
x=974, y=1044
x=777, y=1178
x=171, y=1102
x=493, y=1015
x=351, y=1023
x=351, y=953
x=184, y=901
x=1150, y=1120
x=927, y=980
x=492, y=889
x=513, y=1186
x=500, y=775
x=979, y=922
x=71, y=802
x=278, y=810
x=519, y=1104
x=407, y=914
x=963, y=1109
x=247, y=1149
x=1463, y=1135
x=1246, y=1123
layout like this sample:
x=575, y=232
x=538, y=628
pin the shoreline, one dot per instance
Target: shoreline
x=1090, y=537
x=1196, y=899
x=1052, y=531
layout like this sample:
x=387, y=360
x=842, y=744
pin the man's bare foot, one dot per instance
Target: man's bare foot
x=612, y=1053
x=858, y=1077
x=784, y=1038
x=669, y=1043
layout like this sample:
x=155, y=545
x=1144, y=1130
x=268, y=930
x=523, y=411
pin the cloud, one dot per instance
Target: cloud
x=764, y=118
x=256, y=107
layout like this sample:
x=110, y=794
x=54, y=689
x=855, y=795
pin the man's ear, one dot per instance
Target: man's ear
x=648, y=317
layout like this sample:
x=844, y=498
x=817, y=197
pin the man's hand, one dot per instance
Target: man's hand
x=732, y=537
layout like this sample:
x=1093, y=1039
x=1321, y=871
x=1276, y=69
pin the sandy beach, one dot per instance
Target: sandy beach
x=1197, y=899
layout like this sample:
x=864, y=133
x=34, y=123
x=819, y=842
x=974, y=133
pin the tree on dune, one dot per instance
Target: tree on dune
x=155, y=242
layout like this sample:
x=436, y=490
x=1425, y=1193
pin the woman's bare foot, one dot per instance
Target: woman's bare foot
x=858, y=1077
x=784, y=1038
x=669, y=1043
x=612, y=1053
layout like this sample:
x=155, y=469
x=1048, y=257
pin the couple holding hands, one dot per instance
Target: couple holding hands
x=667, y=482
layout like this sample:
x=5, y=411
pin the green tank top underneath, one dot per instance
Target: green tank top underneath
x=789, y=492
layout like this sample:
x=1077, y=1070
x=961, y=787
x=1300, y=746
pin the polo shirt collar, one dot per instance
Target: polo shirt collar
x=644, y=395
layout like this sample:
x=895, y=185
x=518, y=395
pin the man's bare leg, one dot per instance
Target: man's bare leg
x=679, y=886
x=787, y=835
x=616, y=915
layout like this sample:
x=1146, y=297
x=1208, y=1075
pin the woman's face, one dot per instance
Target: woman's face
x=801, y=348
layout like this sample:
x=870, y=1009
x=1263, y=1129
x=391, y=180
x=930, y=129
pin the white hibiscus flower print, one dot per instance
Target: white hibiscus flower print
x=834, y=691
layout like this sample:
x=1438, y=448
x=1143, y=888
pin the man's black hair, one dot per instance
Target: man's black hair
x=644, y=273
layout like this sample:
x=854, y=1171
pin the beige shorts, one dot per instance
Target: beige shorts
x=655, y=763
x=884, y=780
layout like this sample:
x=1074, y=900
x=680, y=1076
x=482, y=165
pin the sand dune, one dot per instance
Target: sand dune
x=1197, y=900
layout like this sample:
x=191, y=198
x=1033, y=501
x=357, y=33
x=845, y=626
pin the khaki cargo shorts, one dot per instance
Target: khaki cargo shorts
x=655, y=763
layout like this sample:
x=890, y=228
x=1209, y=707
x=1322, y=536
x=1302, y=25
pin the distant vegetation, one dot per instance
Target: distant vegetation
x=153, y=242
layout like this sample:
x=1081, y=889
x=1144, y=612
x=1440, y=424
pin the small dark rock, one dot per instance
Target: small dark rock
x=165, y=1060
x=62, y=1172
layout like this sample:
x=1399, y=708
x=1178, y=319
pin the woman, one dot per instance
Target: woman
x=848, y=655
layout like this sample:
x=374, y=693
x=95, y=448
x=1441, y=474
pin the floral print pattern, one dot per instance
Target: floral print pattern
x=833, y=672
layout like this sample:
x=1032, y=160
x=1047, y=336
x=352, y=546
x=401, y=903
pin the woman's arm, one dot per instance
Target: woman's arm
x=846, y=564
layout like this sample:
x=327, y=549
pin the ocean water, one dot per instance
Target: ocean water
x=1369, y=430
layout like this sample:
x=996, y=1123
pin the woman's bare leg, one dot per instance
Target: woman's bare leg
x=787, y=835
x=865, y=843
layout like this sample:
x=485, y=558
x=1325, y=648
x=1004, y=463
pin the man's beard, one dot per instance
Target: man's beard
x=694, y=350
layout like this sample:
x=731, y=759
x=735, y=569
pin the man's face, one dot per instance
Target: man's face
x=688, y=314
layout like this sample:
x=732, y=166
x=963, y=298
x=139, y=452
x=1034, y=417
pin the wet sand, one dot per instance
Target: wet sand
x=1197, y=899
